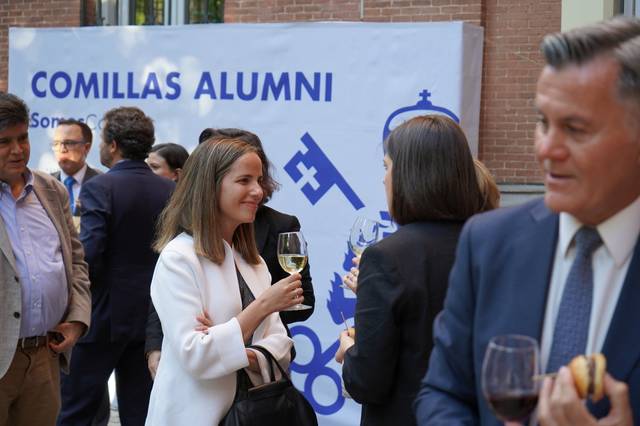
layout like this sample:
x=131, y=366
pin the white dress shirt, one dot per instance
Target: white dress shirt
x=79, y=177
x=611, y=261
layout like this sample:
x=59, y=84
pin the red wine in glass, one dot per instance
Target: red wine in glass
x=514, y=407
x=511, y=364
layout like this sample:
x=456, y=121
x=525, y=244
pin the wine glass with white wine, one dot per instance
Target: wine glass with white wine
x=292, y=256
x=364, y=232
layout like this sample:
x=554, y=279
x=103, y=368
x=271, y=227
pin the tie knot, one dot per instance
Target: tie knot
x=69, y=180
x=587, y=240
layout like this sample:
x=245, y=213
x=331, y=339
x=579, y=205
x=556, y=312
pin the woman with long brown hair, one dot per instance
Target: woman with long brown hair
x=209, y=266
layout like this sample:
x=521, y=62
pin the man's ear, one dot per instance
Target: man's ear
x=87, y=148
x=113, y=147
x=178, y=173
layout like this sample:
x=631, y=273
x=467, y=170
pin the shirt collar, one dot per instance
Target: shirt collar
x=619, y=233
x=28, y=185
x=78, y=176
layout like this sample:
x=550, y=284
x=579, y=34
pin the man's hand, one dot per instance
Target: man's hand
x=153, y=360
x=70, y=332
x=560, y=405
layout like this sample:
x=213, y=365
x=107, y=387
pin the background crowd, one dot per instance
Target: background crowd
x=164, y=270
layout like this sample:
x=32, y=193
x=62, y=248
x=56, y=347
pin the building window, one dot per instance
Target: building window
x=204, y=11
x=147, y=12
x=628, y=7
x=158, y=12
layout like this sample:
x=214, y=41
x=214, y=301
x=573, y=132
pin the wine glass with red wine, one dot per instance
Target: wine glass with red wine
x=510, y=376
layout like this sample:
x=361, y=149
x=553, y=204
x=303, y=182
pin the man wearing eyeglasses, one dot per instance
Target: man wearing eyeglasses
x=71, y=144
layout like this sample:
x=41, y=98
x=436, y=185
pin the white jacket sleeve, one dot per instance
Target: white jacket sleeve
x=275, y=340
x=177, y=299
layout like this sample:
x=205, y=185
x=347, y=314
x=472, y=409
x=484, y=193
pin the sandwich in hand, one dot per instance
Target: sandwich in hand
x=588, y=375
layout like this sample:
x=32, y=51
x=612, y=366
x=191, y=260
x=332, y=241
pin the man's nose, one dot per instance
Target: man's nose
x=16, y=147
x=551, y=144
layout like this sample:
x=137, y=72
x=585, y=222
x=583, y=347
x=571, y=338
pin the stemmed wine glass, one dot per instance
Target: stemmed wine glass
x=364, y=232
x=292, y=256
x=510, y=376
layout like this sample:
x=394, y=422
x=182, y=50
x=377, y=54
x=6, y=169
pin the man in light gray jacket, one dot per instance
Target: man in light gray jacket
x=45, y=304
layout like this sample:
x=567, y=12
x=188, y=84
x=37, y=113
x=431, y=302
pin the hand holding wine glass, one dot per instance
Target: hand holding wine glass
x=364, y=232
x=283, y=295
x=510, y=376
x=292, y=256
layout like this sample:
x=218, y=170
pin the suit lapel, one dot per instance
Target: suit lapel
x=621, y=355
x=89, y=174
x=536, y=247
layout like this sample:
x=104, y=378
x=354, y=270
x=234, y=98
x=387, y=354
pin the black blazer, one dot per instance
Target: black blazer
x=267, y=225
x=401, y=288
x=90, y=173
x=119, y=212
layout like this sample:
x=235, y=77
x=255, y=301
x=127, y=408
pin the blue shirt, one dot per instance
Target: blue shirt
x=38, y=253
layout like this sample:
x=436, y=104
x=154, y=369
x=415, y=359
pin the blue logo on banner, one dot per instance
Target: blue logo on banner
x=319, y=174
x=338, y=306
x=423, y=106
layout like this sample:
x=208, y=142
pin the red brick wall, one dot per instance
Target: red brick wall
x=513, y=31
x=33, y=13
x=512, y=62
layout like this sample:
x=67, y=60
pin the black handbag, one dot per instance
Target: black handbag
x=275, y=403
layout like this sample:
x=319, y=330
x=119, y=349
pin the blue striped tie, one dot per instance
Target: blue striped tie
x=572, y=323
x=68, y=183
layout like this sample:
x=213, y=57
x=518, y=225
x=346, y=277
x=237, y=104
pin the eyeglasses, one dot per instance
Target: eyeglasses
x=66, y=144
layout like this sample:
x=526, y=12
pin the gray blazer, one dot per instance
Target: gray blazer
x=54, y=199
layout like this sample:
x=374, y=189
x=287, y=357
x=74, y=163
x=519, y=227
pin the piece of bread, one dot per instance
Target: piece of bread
x=588, y=375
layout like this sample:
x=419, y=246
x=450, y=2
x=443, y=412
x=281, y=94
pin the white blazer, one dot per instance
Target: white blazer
x=196, y=379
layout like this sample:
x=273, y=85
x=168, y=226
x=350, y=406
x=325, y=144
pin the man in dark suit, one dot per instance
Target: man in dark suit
x=71, y=144
x=119, y=211
x=521, y=271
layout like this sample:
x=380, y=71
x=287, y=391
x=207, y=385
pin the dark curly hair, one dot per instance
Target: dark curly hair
x=132, y=131
x=13, y=111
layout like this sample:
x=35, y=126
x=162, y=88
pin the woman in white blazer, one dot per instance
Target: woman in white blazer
x=205, y=240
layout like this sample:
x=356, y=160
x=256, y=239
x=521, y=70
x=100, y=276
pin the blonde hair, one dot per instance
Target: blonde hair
x=488, y=187
x=194, y=207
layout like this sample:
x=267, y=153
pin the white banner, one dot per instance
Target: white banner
x=321, y=96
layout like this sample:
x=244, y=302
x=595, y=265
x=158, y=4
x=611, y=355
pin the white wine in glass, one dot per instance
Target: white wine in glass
x=292, y=256
x=364, y=232
x=292, y=263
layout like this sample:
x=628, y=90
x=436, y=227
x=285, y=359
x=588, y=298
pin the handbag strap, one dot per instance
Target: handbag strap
x=271, y=360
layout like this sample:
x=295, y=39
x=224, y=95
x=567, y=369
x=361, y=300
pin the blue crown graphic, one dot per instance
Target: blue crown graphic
x=423, y=105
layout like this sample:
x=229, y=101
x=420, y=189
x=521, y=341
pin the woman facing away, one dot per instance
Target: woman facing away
x=431, y=189
x=209, y=267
